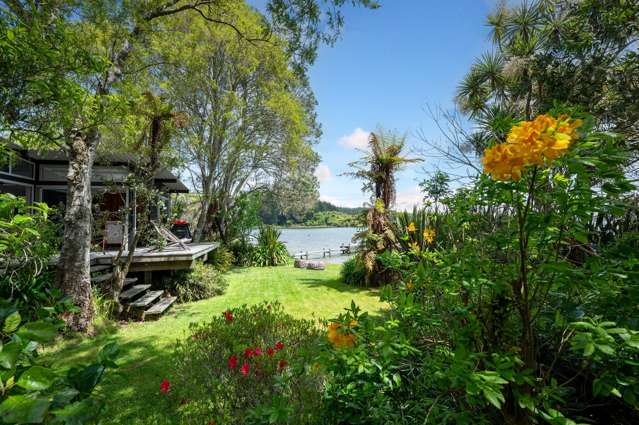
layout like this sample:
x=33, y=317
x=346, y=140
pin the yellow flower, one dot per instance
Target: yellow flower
x=411, y=227
x=338, y=338
x=535, y=142
x=429, y=235
x=410, y=285
x=414, y=246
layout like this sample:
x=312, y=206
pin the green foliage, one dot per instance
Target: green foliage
x=32, y=392
x=201, y=282
x=27, y=242
x=269, y=251
x=353, y=272
x=242, y=252
x=221, y=258
x=279, y=385
x=333, y=219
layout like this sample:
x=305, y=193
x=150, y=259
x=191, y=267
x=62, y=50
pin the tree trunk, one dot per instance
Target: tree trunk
x=74, y=276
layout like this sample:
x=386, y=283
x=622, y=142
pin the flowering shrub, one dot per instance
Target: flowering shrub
x=240, y=367
x=522, y=311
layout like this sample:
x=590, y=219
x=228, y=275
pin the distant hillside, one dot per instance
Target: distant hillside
x=321, y=214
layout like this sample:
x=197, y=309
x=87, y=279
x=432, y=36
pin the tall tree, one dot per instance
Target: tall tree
x=377, y=169
x=582, y=53
x=116, y=31
x=249, y=126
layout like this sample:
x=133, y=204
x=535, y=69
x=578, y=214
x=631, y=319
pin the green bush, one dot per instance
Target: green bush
x=201, y=282
x=269, y=250
x=353, y=272
x=242, y=252
x=250, y=365
x=221, y=258
x=33, y=392
x=27, y=242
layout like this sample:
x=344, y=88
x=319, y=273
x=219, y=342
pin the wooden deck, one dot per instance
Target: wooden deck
x=147, y=259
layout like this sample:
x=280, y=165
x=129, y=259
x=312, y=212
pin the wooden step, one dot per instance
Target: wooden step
x=160, y=307
x=133, y=292
x=147, y=299
x=100, y=268
x=102, y=278
x=129, y=281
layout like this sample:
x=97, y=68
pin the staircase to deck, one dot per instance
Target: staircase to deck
x=139, y=300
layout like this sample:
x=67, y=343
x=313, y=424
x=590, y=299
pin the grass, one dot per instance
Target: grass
x=131, y=392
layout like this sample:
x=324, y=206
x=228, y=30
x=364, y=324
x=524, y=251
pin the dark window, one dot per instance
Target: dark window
x=17, y=190
x=22, y=168
x=56, y=198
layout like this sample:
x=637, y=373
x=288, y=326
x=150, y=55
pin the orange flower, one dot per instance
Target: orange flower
x=535, y=142
x=339, y=338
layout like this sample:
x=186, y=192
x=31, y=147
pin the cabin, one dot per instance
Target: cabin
x=41, y=177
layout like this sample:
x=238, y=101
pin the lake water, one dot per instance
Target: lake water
x=316, y=239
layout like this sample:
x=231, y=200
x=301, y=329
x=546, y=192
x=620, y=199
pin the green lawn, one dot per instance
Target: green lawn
x=131, y=392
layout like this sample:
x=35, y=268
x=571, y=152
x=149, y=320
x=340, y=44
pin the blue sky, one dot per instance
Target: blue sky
x=389, y=65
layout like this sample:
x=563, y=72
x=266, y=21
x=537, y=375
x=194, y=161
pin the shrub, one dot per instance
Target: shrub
x=269, y=250
x=201, y=282
x=33, y=392
x=27, y=242
x=353, y=272
x=250, y=365
x=242, y=251
x=221, y=258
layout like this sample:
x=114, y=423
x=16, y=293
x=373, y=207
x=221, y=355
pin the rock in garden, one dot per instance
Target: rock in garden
x=301, y=264
x=315, y=265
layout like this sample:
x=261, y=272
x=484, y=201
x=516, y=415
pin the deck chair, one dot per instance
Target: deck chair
x=169, y=237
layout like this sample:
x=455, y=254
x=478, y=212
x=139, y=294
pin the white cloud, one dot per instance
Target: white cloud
x=323, y=173
x=405, y=200
x=358, y=139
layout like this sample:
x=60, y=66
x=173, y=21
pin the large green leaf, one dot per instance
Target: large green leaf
x=36, y=378
x=11, y=323
x=9, y=354
x=38, y=331
x=21, y=409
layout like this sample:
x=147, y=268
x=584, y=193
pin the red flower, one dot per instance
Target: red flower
x=270, y=351
x=244, y=370
x=249, y=352
x=233, y=362
x=282, y=364
x=279, y=345
x=228, y=315
x=257, y=351
x=165, y=386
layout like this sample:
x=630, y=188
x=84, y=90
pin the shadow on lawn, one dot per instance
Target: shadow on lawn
x=337, y=285
x=131, y=393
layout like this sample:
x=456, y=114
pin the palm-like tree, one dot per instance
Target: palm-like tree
x=500, y=86
x=377, y=169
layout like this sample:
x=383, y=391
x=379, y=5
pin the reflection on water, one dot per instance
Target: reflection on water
x=316, y=239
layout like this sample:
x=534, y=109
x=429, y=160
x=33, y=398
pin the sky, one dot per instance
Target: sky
x=389, y=66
